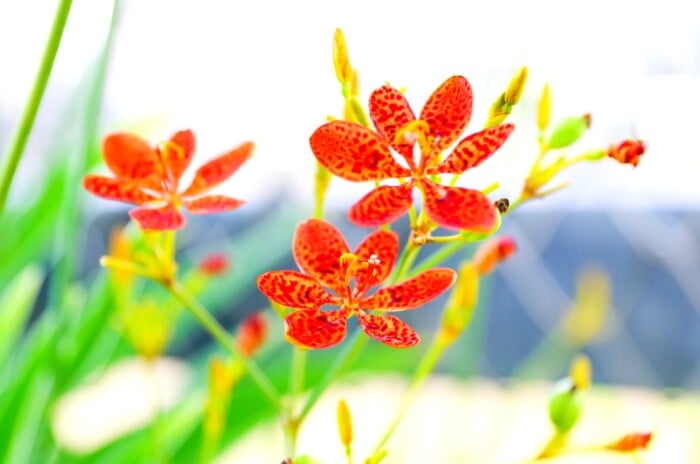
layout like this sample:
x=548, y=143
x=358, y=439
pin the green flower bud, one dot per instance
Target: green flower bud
x=565, y=406
x=569, y=130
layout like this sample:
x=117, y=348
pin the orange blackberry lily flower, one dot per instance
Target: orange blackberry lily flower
x=327, y=264
x=356, y=153
x=150, y=177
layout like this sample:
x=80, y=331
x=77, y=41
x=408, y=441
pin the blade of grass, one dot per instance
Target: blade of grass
x=17, y=301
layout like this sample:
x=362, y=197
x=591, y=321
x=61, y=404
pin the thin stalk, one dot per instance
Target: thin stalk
x=439, y=256
x=298, y=371
x=427, y=364
x=226, y=340
x=13, y=155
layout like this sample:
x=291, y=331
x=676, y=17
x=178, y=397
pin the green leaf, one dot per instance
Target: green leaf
x=16, y=303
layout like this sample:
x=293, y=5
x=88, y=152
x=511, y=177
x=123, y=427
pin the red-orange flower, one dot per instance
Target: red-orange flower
x=356, y=153
x=150, y=176
x=325, y=259
x=627, y=152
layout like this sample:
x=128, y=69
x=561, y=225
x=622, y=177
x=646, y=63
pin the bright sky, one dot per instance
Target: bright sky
x=261, y=70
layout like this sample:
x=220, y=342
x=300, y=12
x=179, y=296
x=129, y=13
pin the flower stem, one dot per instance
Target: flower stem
x=226, y=340
x=19, y=139
x=439, y=256
x=427, y=364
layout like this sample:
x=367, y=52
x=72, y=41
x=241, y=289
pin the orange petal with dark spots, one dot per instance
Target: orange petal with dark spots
x=165, y=218
x=116, y=189
x=476, y=148
x=219, y=169
x=293, y=289
x=383, y=205
x=390, y=111
x=131, y=157
x=384, y=244
x=311, y=328
x=317, y=247
x=353, y=152
x=413, y=293
x=212, y=204
x=177, y=153
x=389, y=330
x=448, y=111
x=458, y=207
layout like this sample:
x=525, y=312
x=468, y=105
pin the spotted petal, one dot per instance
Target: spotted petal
x=116, y=189
x=176, y=154
x=390, y=111
x=383, y=205
x=384, y=244
x=413, y=293
x=317, y=247
x=165, y=218
x=293, y=289
x=131, y=157
x=212, y=204
x=311, y=328
x=476, y=148
x=353, y=152
x=448, y=111
x=458, y=208
x=219, y=169
x=389, y=330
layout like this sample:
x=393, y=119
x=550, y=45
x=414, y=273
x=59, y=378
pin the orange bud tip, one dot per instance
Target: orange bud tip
x=632, y=442
x=214, y=264
x=252, y=333
x=493, y=252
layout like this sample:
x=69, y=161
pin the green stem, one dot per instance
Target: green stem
x=427, y=364
x=406, y=260
x=19, y=139
x=439, y=256
x=226, y=340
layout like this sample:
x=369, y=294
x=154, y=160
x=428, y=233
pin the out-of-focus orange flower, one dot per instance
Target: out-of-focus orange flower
x=356, y=153
x=627, y=152
x=252, y=333
x=150, y=176
x=321, y=252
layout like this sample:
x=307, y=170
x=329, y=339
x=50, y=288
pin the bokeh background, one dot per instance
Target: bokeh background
x=262, y=71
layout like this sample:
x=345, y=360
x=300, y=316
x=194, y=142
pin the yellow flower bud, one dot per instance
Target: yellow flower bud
x=516, y=87
x=544, y=108
x=344, y=423
x=587, y=318
x=460, y=307
x=341, y=60
x=581, y=372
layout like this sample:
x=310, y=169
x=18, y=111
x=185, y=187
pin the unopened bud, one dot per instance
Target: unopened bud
x=492, y=252
x=341, y=60
x=631, y=442
x=569, y=131
x=544, y=108
x=565, y=406
x=581, y=372
x=252, y=333
x=344, y=423
x=377, y=458
x=214, y=264
x=516, y=87
x=460, y=307
x=627, y=151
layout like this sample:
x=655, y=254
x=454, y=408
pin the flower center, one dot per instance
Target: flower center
x=360, y=276
x=418, y=131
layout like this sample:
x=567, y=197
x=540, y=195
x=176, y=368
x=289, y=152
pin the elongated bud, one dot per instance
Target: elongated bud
x=341, y=60
x=587, y=318
x=565, y=406
x=344, y=423
x=214, y=264
x=544, y=109
x=627, y=151
x=631, y=442
x=492, y=252
x=460, y=307
x=581, y=372
x=322, y=181
x=252, y=333
x=221, y=379
x=503, y=106
x=516, y=87
x=569, y=130
x=120, y=248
